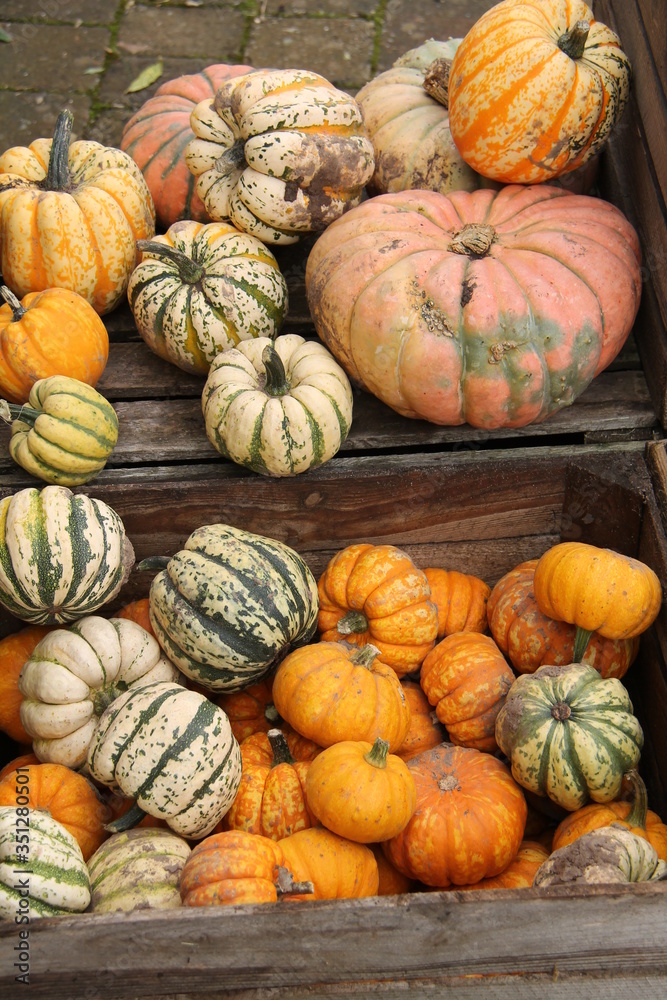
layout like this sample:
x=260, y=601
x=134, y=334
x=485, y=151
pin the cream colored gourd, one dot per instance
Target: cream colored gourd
x=607, y=855
x=137, y=870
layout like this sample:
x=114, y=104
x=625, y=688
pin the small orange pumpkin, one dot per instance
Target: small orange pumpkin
x=425, y=731
x=460, y=599
x=338, y=868
x=519, y=873
x=391, y=882
x=22, y=761
x=251, y=710
x=14, y=651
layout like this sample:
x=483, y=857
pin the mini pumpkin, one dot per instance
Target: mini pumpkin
x=519, y=873
x=460, y=599
x=137, y=870
x=14, y=651
x=425, y=731
x=608, y=855
x=251, y=710
x=338, y=868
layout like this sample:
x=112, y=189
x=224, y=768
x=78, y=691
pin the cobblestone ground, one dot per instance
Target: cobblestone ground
x=83, y=54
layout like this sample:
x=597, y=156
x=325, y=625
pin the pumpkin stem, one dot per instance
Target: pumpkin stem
x=153, y=562
x=364, y=655
x=188, y=270
x=436, y=81
x=581, y=638
x=377, y=755
x=573, y=42
x=474, y=239
x=131, y=818
x=57, y=176
x=103, y=698
x=232, y=159
x=271, y=714
x=17, y=309
x=637, y=815
x=281, y=750
x=18, y=411
x=286, y=886
x=353, y=621
x=561, y=711
x=276, y=383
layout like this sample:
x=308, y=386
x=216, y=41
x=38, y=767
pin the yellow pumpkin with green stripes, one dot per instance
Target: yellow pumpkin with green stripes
x=64, y=434
x=202, y=288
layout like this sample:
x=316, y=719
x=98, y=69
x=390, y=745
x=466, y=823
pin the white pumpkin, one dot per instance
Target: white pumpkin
x=137, y=870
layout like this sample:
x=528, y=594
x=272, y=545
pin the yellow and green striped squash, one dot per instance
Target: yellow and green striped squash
x=569, y=734
x=173, y=751
x=230, y=604
x=62, y=556
x=277, y=408
x=39, y=855
x=65, y=433
x=137, y=870
x=202, y=288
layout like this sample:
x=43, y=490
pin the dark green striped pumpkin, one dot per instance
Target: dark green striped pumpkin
x=569, y=734
x=42, y=871
x=173, y=752
x=230, y=604
x=62, y=556
x=137, y=870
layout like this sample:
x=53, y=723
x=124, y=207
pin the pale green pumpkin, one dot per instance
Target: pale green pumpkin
x=137, y=870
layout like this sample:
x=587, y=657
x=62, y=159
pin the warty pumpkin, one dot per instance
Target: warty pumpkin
x=203, y=288
x=137, y=870
x=14, y=651
x=338, y=868
x=279, y=153
x=460, y=599
x=52, y=332
x=494, y=308
x=70, y=217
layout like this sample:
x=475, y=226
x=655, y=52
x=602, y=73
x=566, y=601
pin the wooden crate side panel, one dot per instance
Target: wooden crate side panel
x=655, y=25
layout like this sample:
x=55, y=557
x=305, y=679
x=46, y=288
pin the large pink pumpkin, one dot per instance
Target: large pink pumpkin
x=156, y=135
x=494, y=308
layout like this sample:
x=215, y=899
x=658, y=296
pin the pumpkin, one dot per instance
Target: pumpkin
x=460, y=599
x=194, y=784
x=52, y=332
x=262, y=748
x=635, y=815
x=494, y=308
x=137, y=611
x=597, y=590
x=229, y=604
x=425, y=731
x=375, y=594
x=469, y=819
x=137, y=870
x=467, y=679
x=70, y=217
x=17, y=762
x=277, y=408
x=534, y=90
x=360, y=791
x=200, y=289
x=529, y=639
x=62, y=556
x=332, y=691
x=391, y=882
x=55, y=878
x=605, y=856
x=66, y=432
x=73, y=674
x=251, y=710
x=279, y=153
x=69, y=797
x=14, y=651
x=569, y=734
x=156, y=136
x=519, y=873
x=337, y=868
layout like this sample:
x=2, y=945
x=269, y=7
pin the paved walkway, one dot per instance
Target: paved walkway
x=83, y=54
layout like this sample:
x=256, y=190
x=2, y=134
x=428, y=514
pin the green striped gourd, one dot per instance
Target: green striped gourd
x=62, y=556
x=73, y=674
x=230, y=604
x=42, y=871
x=279, y=153
x=65, y=433
x=603, y=856
x=173, y=751
x=569, y=734
x=137, y=870
x=277, y=408
x=202, y=288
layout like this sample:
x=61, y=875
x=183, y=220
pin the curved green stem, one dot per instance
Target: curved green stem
x=153, y=562
x=581, y=638
x=637, y=815
x=18, y=312
x=573, y=42
x=18, y=411
x=131, y=818
x=281, y=750
x=276, y=383
x=104, y=696
x=352, y=621
x=377, y=755
x=57, y=176
x=188, y=270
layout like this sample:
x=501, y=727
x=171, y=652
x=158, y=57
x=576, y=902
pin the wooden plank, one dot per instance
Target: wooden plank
x=655, y=25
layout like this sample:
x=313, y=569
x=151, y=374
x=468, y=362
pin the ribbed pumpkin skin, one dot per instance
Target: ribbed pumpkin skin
x=14, y=651
x=62, y=556
x=425, y=731
x=54, y=332
x=231, y=867
x=282, y=417
x=491, y=308
x=460, y=599
x=229, y=603
x=99, y=200
x=569, y=734
x=530, y=639
x=598, y=589
x=228, y=289
x=279, y=153
x=156, y=136
x=70, y=438
x=521, y=110
x=137, y=869
x=251, y=710
x=337, y=867
x=520, y=872
x=469, y=819
x=55, y=872
x=467, y=679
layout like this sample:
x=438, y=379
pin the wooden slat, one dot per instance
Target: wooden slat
x=655, y=25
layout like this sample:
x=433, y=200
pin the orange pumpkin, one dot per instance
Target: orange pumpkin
x=467, y=679
x=460, y=599
x=22, y=761
x=425, y=731
x=137, y=611
x=338, y=868
x=251, y=710
x=529, y=639
x=52, y=332
x=391, y=882
x=331, y=691
x=519, y=873
x=469, y=820
x=70, y=798
x=14, y=651
x=375, y=594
